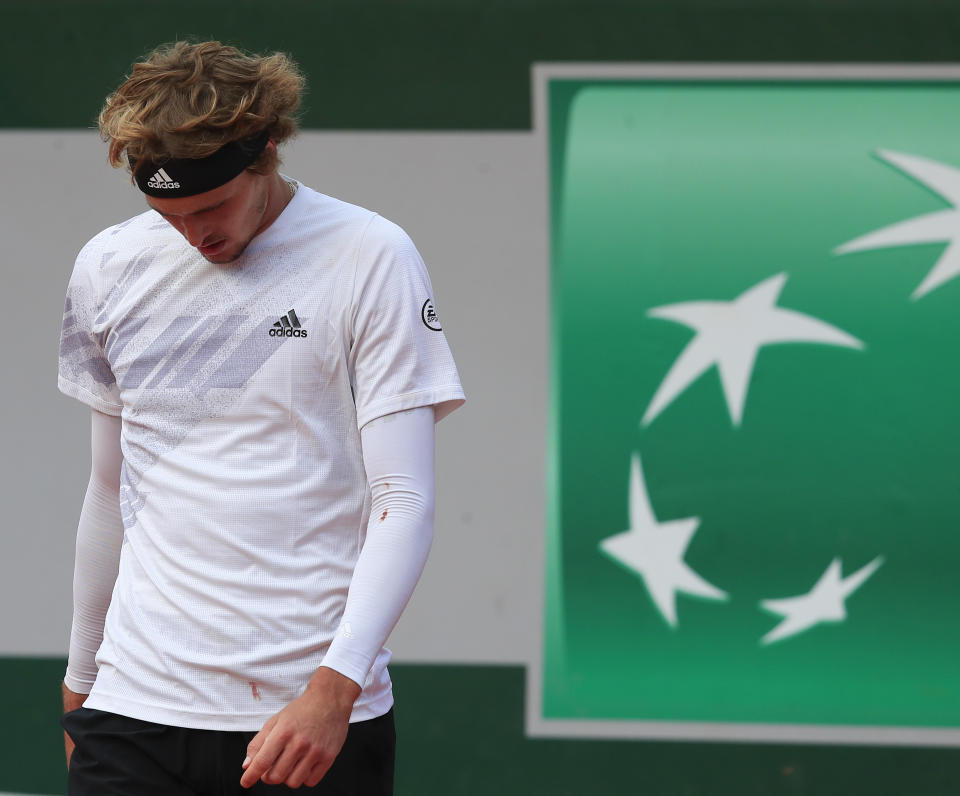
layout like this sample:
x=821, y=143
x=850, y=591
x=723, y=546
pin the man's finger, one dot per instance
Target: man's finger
x=261, y=761
x=286, y=762
x=259, y=739
x=301, y=774
x=319, y=772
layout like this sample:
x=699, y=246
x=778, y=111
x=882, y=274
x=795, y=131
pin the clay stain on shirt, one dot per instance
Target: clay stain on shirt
x=255, y=691
x=383, y=516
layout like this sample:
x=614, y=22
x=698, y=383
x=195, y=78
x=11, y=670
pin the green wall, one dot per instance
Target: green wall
x=460, y=732
x=438, y=64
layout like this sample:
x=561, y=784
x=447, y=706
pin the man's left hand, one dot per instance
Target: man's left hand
x=299, y=744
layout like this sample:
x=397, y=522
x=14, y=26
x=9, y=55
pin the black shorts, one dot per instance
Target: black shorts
x=119, y=756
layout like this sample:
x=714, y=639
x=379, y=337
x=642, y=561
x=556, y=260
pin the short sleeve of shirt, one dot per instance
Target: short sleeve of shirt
x=84, y=372
x=399, y=356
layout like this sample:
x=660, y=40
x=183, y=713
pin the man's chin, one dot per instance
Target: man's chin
x=223, y=258
x=226, y=255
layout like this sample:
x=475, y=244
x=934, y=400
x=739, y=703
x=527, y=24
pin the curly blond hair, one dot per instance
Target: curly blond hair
x=186, y=100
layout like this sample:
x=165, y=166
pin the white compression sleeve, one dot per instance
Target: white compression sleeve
x=398, y=457
x=99, y=537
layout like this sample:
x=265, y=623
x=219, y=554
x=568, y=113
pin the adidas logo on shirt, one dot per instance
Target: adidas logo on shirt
x=288, y=326
x=162, y=180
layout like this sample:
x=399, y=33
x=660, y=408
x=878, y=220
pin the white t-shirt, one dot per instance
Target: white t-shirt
x=242, y=389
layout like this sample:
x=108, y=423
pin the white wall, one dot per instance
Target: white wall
x=475, y=204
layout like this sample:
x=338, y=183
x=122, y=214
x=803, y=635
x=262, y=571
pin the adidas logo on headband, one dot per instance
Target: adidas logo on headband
x=162, y=180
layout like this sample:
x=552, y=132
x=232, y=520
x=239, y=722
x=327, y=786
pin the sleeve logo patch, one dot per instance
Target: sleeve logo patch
x=429, y=315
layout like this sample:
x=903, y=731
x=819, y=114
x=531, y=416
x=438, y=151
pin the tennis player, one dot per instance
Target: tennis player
x=265, y=366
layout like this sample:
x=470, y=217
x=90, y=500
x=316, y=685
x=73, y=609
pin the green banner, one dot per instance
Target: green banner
x=754, y=488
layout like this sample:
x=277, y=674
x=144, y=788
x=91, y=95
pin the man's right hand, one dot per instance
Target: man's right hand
x=71, y=701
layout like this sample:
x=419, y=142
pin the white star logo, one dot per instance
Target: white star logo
x=729, y=335
x=825, y=602
x=655, y=551
x=942, y=226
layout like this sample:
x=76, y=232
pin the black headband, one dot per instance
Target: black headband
x=175, y=177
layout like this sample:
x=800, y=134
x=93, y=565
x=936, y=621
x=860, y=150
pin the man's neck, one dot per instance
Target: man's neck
x=279, y=195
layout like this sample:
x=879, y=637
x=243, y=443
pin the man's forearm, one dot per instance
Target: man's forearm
x=398, y=457
x=99, y=539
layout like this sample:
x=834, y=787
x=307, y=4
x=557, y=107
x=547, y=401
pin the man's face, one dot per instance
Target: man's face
x=222, y=222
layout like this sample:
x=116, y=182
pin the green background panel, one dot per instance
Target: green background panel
x=680, y=192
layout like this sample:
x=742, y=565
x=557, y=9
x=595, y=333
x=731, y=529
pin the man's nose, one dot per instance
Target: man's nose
x=194, y=230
